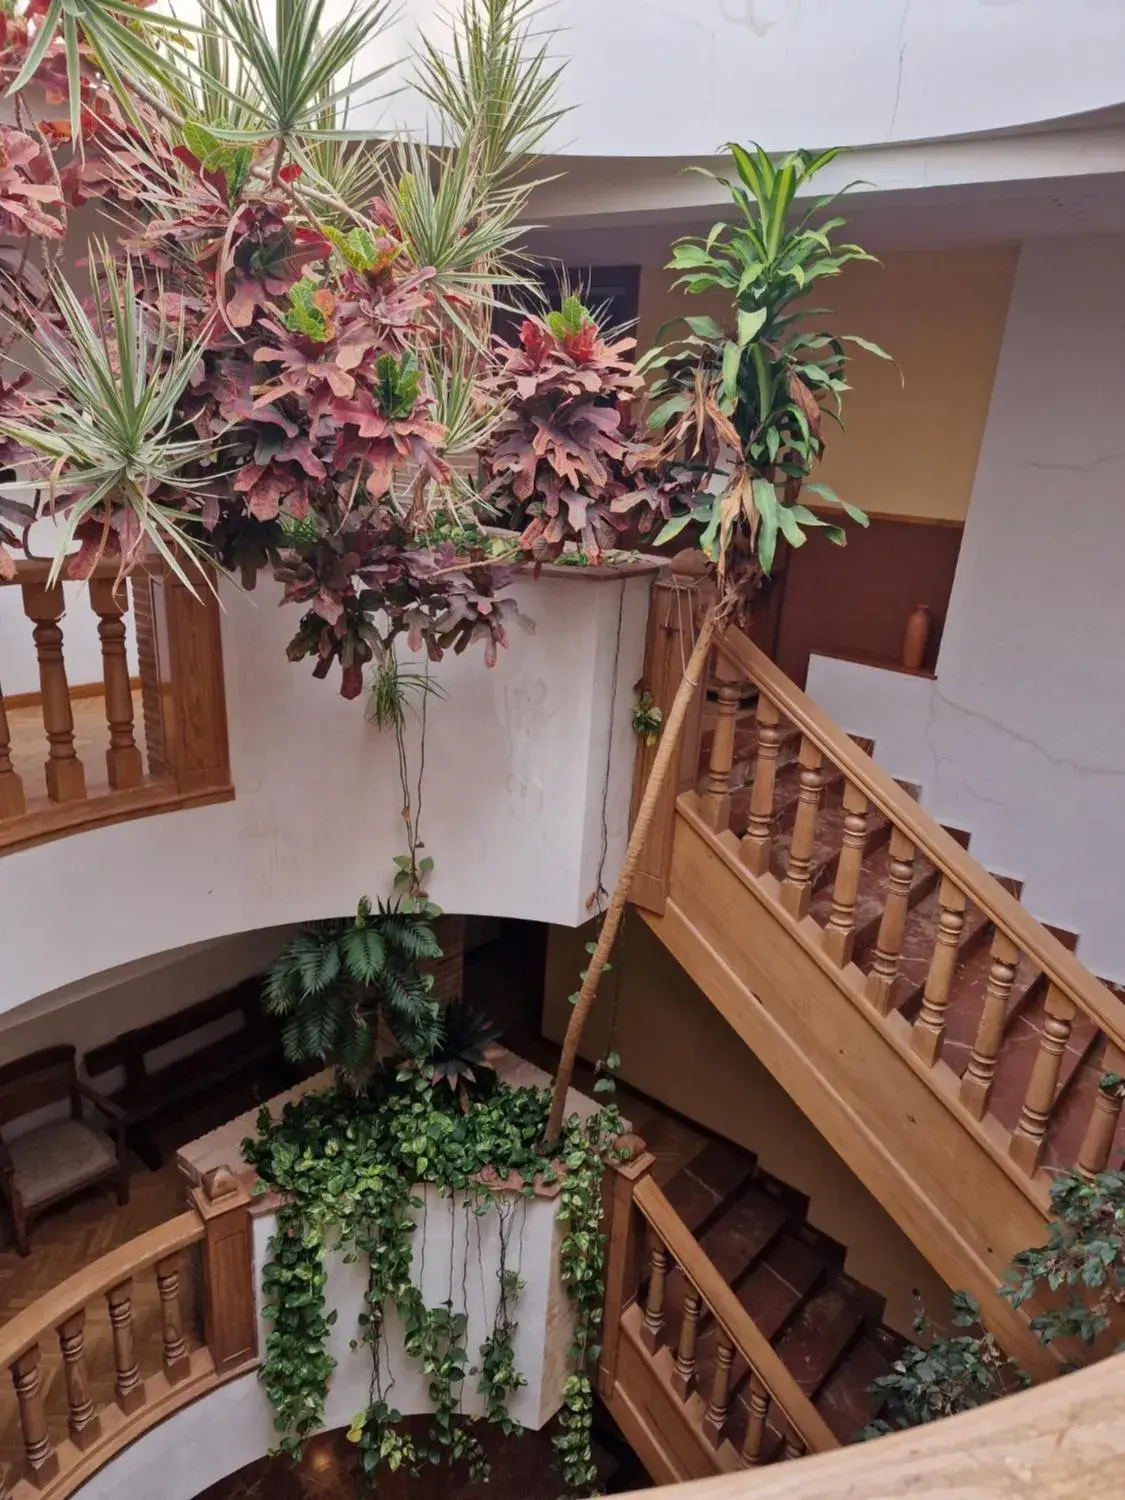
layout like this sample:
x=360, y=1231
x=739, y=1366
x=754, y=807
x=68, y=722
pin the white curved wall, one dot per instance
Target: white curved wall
x=681, y=77
x=678, y=78
x=517, y=764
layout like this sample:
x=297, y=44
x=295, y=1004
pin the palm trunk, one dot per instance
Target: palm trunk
x=661, y=766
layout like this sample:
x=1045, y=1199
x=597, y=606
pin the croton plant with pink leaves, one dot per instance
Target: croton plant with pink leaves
x=309, y=438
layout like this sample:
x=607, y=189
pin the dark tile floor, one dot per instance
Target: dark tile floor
x=522, y=1469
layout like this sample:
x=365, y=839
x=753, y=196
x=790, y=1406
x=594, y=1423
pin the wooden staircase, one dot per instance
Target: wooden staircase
x=951, y=1048
x=825, y=1326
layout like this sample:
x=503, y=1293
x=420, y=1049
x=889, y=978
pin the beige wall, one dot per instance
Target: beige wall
x=911, y=444
x=100, y=1008
x=676, y=1048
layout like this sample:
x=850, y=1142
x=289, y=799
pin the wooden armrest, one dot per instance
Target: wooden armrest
x=108, y=1107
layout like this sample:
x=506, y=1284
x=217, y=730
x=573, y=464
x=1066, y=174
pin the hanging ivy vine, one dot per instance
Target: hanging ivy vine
x=348, y=1166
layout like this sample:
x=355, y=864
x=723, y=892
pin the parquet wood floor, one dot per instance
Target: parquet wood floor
x=63, y=1242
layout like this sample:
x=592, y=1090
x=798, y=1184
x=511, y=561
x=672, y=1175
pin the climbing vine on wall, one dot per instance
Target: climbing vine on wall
x=349, y=1167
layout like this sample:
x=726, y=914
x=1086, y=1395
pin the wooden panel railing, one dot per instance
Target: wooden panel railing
x=775, y=1419
x=1019, y=944
x=182, y=695
x=219, y=1225
x=1061, y=1441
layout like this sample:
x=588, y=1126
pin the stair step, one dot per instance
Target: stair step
x=741, y=1236
x=780, y=1283
x=710, y=1180
x=918, y=950
x=871, y=897
x=820, y=1336
x=846, y=1402
x=967, y=998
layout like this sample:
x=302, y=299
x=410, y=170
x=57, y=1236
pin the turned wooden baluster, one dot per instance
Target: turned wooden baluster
x=714, y=805
x=884, y=958
x=1093, y=1157
x=1031, y=1130
x=130, y=1391
x=759, y=828
x=66, y=781
x=83, y=1422
x=654, y=1302
x=683, y=1372
x=793, y=1445
x=123, y=759
x=758, y=1404
x=977, y=1081
x=715, y=1416
x=177, y=1361
x=796, y=888
x=13, y=804
x=839, y=931
x=42, y=1460
x=930, y=1025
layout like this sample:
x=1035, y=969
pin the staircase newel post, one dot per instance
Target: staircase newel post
x=624, y=1238
x=230, y=1314
x=673, y=615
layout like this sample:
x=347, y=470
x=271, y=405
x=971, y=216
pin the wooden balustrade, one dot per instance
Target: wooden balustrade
x=181, y=684
x=917, y=851
x=637, y=1322
x=219, y=1224
x=1064, y=1440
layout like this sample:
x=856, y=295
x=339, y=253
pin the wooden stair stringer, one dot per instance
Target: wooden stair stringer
x=821, y=1046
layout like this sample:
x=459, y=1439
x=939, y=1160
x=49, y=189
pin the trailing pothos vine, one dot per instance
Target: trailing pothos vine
x=349, y=1166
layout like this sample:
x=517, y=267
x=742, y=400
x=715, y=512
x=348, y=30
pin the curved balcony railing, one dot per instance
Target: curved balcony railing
x=194, y=1275
x=72, y=760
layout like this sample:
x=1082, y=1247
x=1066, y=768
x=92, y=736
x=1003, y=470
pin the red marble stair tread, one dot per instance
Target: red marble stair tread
x=708, y=1181
x=871, y=897
x=917, y=950
x=737, y=1240
x=966, y=1004
x=846, y=1402
x=1022, y=1038
x=734, y=1243
x=786, y=787
x=821, y=1334
x=779, y=1284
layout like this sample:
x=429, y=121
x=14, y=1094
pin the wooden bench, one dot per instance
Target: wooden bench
x=154, y=1088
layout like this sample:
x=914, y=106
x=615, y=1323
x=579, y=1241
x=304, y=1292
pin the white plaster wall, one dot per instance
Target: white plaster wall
x=516, y=764
x=233, y=1426
x=678, y=78
x=1021, y=740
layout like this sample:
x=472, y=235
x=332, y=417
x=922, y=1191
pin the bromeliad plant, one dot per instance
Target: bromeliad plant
x=738, y=429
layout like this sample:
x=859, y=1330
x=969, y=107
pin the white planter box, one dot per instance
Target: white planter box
x=456, y=1258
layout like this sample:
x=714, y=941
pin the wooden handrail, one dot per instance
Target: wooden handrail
x=185, y=763
x=752, y=1344
x=38, y=570
x=1002, y=908
x=1061, y=1441
x=29, y=1327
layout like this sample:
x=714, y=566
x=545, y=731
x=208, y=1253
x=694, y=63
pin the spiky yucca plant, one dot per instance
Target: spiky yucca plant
x=118, y=456
x=342, y=985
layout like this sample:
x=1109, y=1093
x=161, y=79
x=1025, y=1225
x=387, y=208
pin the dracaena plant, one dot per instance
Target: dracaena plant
x=738, y=428
x=556, y=457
